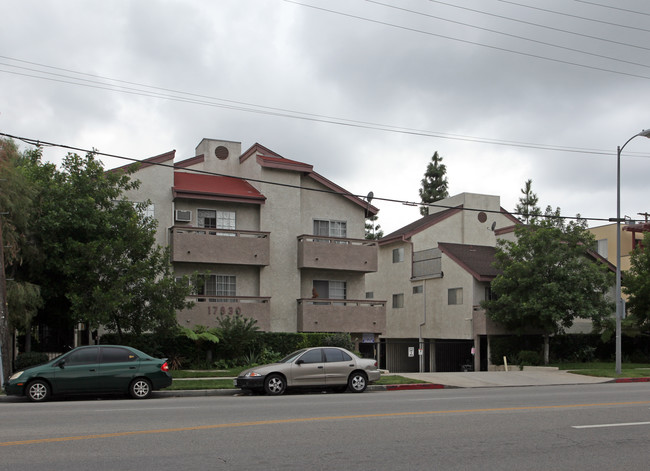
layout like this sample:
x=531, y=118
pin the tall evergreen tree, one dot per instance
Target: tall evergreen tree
x=373, y=230
x=434, y=184
x=527, y=208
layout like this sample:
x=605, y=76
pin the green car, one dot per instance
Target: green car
x=100, y=369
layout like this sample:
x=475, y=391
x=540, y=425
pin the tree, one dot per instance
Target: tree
x=434, y=183
x=548, y=279
x=373, y=230
x=99, y=263
x=23, y=297
x=527, y=207
x=636, y=284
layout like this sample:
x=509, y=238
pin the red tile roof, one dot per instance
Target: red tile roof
x=194, y=185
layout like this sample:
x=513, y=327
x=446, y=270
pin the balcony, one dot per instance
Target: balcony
x=202, y=245
x=207, y=309
x=337, y=253
x=341, y=315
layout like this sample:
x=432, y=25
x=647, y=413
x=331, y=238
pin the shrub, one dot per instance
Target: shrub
x=28, y=359
x=342, y=340
x=528, y=358
x=237, y=336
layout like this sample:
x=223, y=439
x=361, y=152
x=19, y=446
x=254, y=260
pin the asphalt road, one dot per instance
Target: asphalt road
x=600, y=426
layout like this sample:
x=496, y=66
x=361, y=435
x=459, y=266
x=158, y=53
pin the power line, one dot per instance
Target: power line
x=530, y=23
x=574, y=16
x=613, y=8
x=544, y=43
x=36, y=142
x=474, y=43
x=139, y=89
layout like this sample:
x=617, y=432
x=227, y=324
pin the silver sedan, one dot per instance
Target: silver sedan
x=326, y=367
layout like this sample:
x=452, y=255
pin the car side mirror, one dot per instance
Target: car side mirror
x=61, y=363
x=300, y=362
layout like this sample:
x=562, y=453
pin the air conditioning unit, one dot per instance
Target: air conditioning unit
x=183, y=216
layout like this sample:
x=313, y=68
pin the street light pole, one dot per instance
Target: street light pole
x=619, y=297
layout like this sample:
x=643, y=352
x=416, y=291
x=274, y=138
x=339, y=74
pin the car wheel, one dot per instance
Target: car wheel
x=140, y=388
x=357, y=382
x=38, y=391
x=274, y=385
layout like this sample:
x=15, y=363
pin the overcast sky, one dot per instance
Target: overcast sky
x=365, y=91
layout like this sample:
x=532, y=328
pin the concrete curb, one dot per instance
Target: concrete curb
x=372, y=387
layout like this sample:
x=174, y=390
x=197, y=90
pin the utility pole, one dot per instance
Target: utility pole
x=5, y=351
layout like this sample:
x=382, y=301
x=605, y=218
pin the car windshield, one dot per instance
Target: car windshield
x=291, y=357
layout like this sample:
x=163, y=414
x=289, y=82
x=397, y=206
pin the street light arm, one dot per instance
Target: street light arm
x=644, y=133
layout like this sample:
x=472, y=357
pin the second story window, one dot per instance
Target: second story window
x=398, y=255
x=330, y=228
x=217, y=285
x=455, y=296
x=213, y=219
x=329, y=289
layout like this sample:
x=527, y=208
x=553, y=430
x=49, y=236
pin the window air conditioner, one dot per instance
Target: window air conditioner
x=183, y=216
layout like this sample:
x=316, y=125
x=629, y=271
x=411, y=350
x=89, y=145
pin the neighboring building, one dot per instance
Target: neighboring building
x=631, y=236
x=434, y=273
x=272, y=239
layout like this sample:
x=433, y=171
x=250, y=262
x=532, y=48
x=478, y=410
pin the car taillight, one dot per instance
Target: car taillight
x=164, y=367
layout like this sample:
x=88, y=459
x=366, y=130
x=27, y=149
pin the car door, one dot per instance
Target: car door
x=309, y=369
x=117, y=367
x=338, y=366
x=77, y=371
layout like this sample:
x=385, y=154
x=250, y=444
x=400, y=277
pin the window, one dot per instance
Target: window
x=418, y=289
x=117, y=355
x=145, y=211
x=85, y=356
x=212, y=219
x=330, y=228
x=370, y=295
x=226, y=220
x=334, y=354
x=313, y=356
x=217, y=285
x=601, y=248
x=455, y=296
x=398, y=301
x=398, y=255
x=329, y=289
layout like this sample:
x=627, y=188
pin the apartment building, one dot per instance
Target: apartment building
x=272, y=239
x=434, y=273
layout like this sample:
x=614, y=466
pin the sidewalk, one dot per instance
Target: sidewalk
x=486, y=379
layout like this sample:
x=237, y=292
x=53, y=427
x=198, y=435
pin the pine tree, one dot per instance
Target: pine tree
x=527, y=207
x=434, y=183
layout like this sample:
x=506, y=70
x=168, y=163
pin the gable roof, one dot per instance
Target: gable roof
x=268, y=159
x=214, y=187
x=155, y=160
x=475, y=259
x=421, y=224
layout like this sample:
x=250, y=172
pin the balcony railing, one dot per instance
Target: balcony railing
x=207, y=309
x=337, y=253
x=341, y=315
x=203, y=245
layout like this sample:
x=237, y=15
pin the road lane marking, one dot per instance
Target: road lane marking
x=628, y=424
x=306, y=419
